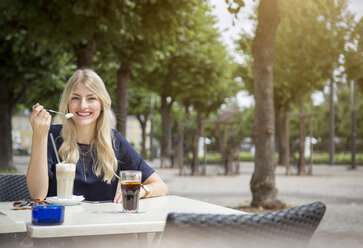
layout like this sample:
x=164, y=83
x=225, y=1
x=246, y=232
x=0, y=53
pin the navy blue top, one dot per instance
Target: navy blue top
x=88, y=184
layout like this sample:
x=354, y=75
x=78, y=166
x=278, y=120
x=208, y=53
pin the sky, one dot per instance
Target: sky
x=231, y=32
x=225, y=19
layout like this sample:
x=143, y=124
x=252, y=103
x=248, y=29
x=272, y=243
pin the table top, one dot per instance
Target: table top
x=107, y=218
x=8, y=224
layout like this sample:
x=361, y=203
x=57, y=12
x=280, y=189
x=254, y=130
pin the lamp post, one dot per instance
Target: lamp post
x=331, y=124
x=354, y=134
x=152, y=155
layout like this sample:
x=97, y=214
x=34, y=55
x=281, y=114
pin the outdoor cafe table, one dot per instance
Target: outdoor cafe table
x=10, y=225
x=107, y=218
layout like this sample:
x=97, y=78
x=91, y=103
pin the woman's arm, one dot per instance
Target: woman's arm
x=37, y=174
x=156, y=185
x=133, y=161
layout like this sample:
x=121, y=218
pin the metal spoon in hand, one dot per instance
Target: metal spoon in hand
x=68, y=115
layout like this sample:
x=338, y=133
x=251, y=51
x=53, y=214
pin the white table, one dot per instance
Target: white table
x=107, y=218
x=9, y=225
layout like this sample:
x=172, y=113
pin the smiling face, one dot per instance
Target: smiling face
x=85, y=106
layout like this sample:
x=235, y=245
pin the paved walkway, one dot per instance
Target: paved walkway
x=340, y=189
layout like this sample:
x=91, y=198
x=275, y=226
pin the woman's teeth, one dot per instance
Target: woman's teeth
x=84, y=114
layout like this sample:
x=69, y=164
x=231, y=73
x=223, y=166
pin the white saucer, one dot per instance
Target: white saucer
x=76, y=199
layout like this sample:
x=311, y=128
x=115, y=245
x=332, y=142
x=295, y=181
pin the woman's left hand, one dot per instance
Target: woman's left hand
x=118, y=196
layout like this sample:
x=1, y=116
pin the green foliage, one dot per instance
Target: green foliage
x=192, y=67
x=245, y=70
x=69, y=24
x=139, y=101
x=340, y=158
x=157, y=126
x=310, y=40
x=244, y=123
x=215, y=158
x=27, y=64
x=318, y=158
x=137, y=39
x=354, y=55
x=343, y=118
x=302, y=64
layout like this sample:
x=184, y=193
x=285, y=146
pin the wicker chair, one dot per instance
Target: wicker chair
x=13, y=187
x=286, y=228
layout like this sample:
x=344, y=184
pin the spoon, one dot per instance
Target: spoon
x=68, y=115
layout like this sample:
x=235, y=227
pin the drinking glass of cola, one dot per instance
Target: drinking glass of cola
x=130, y=187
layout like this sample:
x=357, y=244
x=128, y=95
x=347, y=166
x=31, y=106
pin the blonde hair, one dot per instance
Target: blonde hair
x=104, y=155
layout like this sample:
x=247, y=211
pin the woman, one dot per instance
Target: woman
x=87, y=140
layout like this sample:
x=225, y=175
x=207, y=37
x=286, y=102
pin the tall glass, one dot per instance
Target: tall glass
x=65, y=179
x=130, y=188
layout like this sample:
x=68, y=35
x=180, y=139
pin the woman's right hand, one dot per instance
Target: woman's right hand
x=40, y=120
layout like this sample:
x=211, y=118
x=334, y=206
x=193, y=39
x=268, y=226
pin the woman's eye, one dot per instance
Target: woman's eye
x=92, y=98
x=75, y=98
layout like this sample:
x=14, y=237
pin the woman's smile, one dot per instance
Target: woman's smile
x=84, y=113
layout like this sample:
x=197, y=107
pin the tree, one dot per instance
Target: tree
x=354, y=55
x=208, y=100
x=140, y=100
x=263, y=179
x=302, y=65
x=354, y=61
x=131, y=49
x=83, y=26
x=26, y=65
x=343, y=120
x=186, y=66
x=264, y=192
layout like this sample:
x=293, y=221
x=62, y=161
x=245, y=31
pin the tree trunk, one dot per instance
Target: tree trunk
x=179, y=158
x=282, y=135
x=287, y=132
x=85, y=52
x=122, y=100
x=301, y=166
x=278, y=125
x=221, y=140
x=228, y=153
x=204, y=163
x=165, y=110
x=228, y=159
x=232, y=154
x=263, y=179
x=6, y=146
x=143, y=122
x=196, y=162
x=228, y=163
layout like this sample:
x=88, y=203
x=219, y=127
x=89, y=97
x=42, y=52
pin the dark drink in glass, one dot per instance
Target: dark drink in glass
x=130, y=188
x=130, y=195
